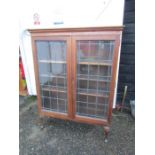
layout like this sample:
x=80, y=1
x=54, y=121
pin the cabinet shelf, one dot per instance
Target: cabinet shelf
x=52, y=61
x=94, y=78
x=57, y=76
x=58, y=89
x=95, y=63
x=92, y=103
x=93, y=93
x=81, y=77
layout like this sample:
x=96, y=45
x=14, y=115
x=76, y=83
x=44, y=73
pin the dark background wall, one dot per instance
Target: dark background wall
x=127, y=58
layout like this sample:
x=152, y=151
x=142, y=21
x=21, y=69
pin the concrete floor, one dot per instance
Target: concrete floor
x=48, y=136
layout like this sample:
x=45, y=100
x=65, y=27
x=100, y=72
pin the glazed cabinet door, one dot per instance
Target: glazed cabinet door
x=94, y=76
x=52, y=56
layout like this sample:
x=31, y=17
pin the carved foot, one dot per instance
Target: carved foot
x=106, y=132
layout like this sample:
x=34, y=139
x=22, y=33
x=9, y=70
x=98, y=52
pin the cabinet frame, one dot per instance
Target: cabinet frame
x=70, y=35
x=114, y=67
x=68, y=67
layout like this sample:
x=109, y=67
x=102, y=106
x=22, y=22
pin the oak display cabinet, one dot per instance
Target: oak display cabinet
x=75, y=72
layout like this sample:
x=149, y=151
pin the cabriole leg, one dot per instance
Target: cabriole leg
x=106, y=132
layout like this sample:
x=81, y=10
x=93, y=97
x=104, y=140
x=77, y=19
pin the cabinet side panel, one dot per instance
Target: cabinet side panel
x=114, y=71
x=36, y=73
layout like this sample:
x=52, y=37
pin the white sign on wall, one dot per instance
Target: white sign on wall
x=72, y=13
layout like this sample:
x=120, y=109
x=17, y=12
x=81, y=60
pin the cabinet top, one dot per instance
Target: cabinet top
x=78, y=29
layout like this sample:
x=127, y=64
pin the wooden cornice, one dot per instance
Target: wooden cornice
x=79, y=29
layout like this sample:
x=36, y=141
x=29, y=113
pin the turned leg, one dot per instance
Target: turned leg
x=106, y=132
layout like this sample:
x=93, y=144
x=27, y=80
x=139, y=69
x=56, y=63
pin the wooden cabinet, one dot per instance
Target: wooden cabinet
x=75, y=71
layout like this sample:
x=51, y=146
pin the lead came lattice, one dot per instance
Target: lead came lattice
x=52, y=74
x=94, y=68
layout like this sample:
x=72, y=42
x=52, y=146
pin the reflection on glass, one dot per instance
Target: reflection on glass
x=58, y=51
x=52, y=74
x=95, y=50
x=93, y=77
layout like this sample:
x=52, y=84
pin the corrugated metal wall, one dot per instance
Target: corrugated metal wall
x=127, y=57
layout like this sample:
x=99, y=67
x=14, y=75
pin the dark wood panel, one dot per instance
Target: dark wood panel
x=129, y=28
x=130, y=88
x=127, y=69
x=128, y=49
x=129, y=96
x=129, y=17
x=126, y=78
x=127, y=59
x=128, y=39
x=130, y=5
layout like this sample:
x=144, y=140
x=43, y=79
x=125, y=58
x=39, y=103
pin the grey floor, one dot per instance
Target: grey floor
x=48, y=136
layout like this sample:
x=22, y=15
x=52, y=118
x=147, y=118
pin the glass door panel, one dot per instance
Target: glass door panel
x=94, y=71
x=51, y=57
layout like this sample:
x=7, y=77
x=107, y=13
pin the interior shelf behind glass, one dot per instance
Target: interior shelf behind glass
x=51, y=61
